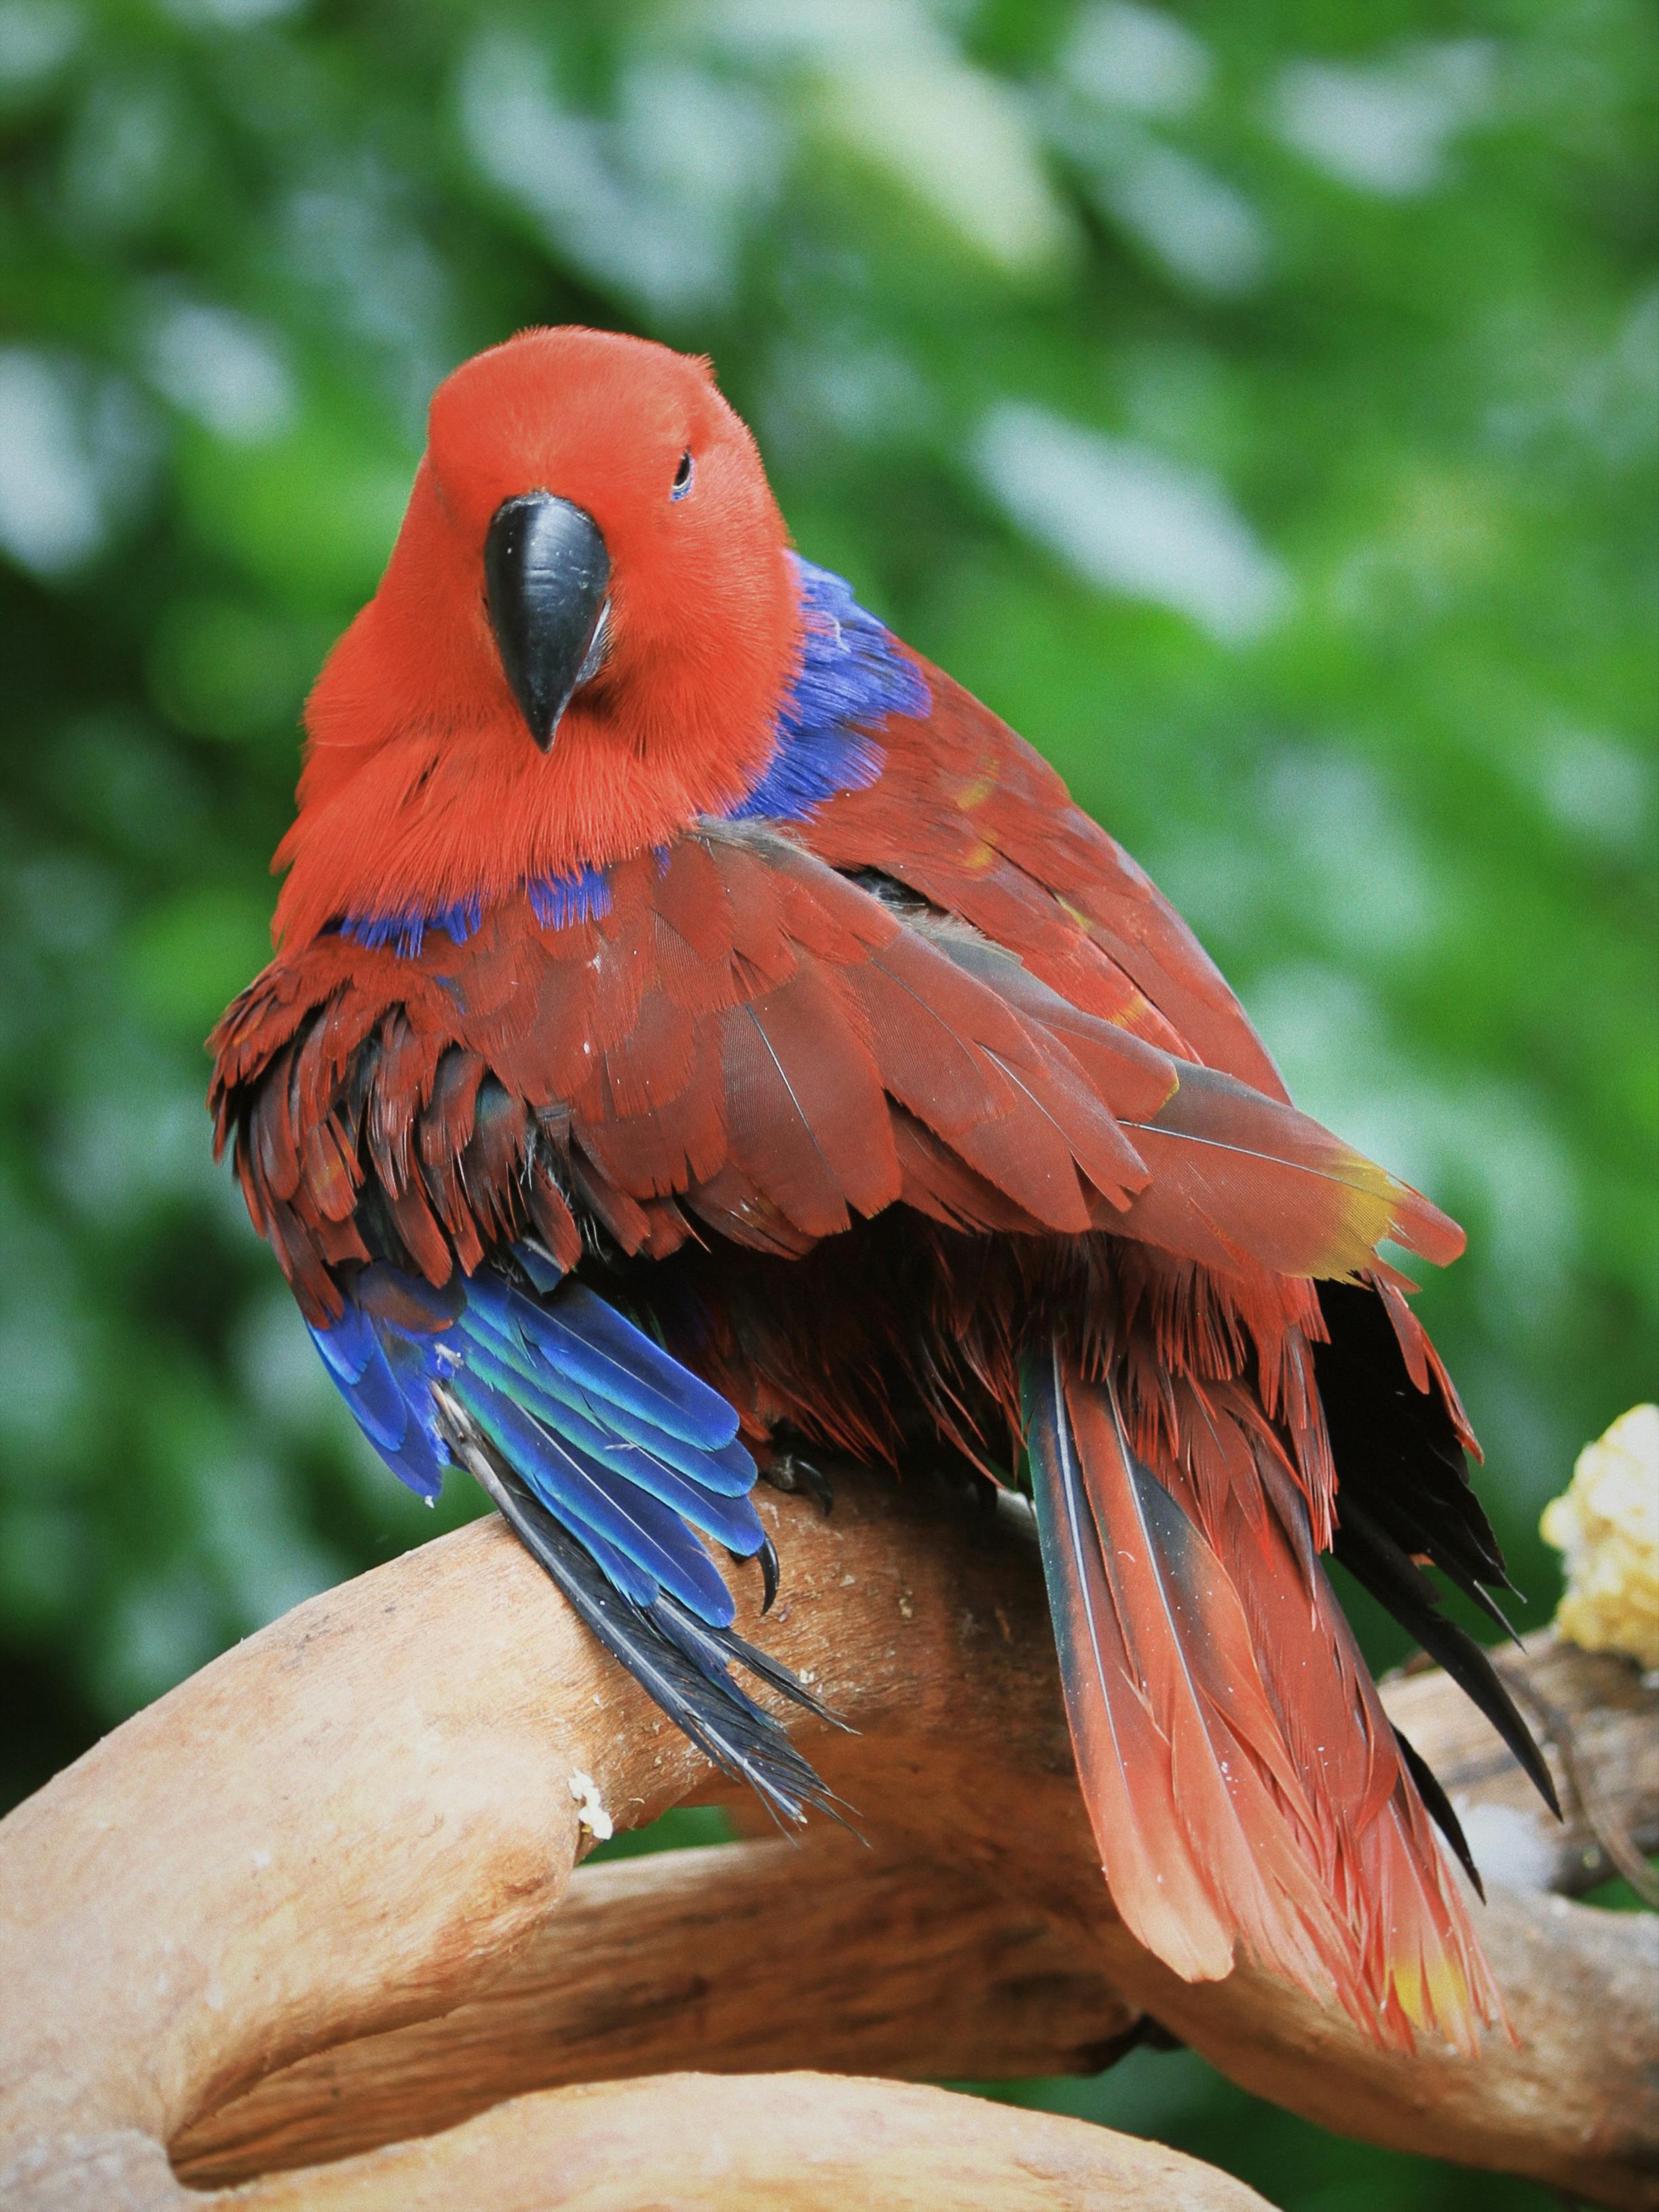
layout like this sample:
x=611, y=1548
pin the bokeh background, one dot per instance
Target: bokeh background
x=1259, y=406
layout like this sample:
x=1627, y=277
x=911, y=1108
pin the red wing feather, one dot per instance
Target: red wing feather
x=1239, y=1179
x=799, y=1073
x=939, y=1184
x=746, y=1028
x=969, y=816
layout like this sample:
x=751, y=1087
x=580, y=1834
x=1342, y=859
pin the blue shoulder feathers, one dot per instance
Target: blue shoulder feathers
x=854, y=673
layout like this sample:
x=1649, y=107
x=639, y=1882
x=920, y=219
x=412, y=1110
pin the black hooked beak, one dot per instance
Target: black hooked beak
x=546, y=573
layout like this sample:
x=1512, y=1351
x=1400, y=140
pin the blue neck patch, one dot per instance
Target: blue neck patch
x=853, y=674
x=404, y=932
x=556, y=902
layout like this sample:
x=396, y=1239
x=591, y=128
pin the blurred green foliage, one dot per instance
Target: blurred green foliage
x=1259, y=406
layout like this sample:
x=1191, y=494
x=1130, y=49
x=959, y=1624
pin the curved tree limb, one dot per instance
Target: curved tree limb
x=893, y=1964
x=363, y=1817
x=769, y=2142
x=760, y=1955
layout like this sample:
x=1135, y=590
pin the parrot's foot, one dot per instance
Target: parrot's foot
x=794, y=1475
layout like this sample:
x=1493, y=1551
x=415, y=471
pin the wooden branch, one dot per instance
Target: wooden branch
x=358, y=1819
x=898, y=1966
x=1600, y=1724
x=822, y=1954
x=769, y=2142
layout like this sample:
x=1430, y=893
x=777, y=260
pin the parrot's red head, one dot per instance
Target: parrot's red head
x=581, y=642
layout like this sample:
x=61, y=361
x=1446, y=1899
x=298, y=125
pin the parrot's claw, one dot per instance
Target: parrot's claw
x=790, y=1472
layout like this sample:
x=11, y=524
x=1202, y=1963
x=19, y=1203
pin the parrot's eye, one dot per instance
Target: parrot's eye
x=682, y=482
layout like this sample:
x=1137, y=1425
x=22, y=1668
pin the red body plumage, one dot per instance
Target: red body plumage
x=918, y=1099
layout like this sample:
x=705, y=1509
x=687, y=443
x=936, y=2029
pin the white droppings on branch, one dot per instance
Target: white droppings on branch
x=590, y=1807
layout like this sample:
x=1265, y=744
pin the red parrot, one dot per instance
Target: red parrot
x=699, y=1032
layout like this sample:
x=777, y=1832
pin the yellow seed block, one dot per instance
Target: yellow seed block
x=1606, y=1523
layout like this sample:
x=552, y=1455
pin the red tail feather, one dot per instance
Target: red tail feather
x=1243, y=1783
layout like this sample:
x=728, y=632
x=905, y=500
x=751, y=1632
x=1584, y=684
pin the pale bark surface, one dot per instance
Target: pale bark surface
x=315, y=1899
x=758, y=1955
x=779, y=2142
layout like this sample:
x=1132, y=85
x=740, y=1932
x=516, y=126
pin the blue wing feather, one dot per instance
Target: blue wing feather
x=348, y=1347
x=382, y=1410
x=732, y=1521
x=631, y=1452
x=418, y=1463
x=607, y=1458
x=586, y=1496
x=710, y=1488
x=596, y=1346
